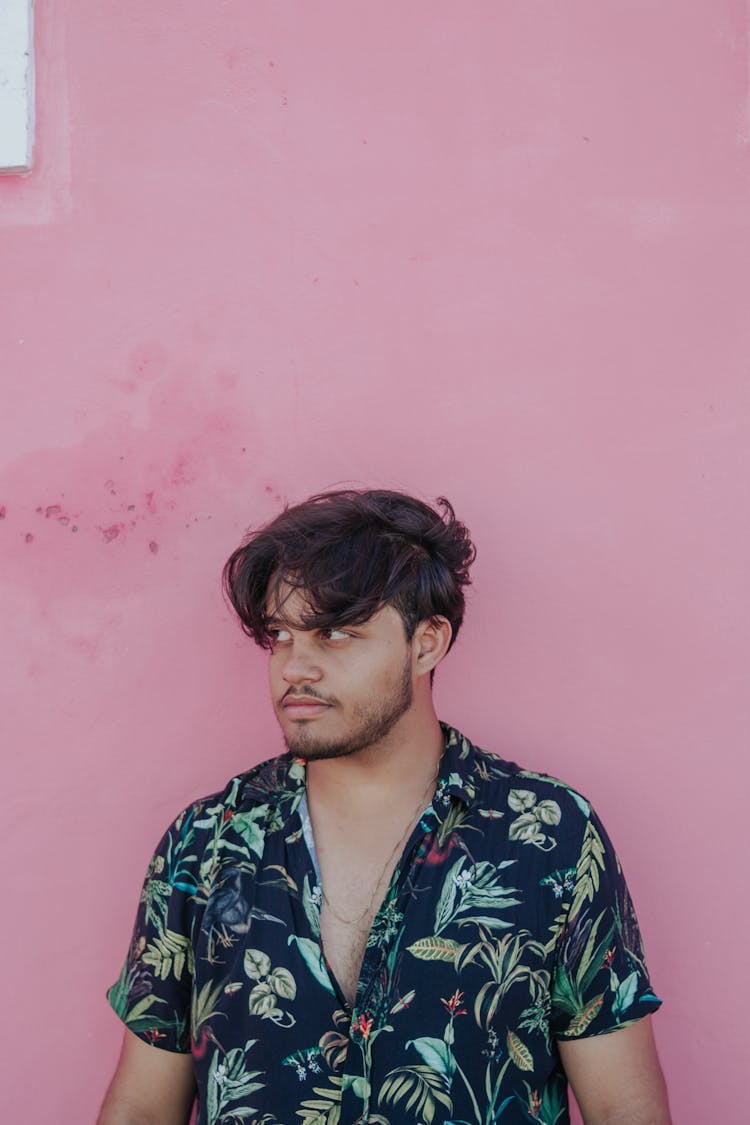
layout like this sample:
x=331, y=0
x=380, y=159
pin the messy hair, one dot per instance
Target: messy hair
x=352, y=552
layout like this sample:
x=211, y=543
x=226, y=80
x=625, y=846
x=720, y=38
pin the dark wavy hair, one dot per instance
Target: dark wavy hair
x=352, y=552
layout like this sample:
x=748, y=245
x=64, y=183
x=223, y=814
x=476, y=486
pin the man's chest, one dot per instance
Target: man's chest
x=353, y=882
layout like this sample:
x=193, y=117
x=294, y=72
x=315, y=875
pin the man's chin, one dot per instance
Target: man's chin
x=301, y=747
x=306, y=740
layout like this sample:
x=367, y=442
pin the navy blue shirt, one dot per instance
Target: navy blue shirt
x=507, y=926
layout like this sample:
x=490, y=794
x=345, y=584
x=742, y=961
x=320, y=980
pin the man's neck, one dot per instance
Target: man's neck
x=395, y=771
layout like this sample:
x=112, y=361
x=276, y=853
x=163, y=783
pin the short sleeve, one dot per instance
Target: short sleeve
x=600, y=981
x=153, y=993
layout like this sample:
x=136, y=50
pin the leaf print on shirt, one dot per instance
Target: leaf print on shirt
x=325, y=1109
x=178, y=860
x=435, y=949
x=230, y=1081
x=547, y=1109
x=364, y=1031
x=227, y=827
x=335, y=1044
x=248, y=827
x=141, y=1021
x=534, y=818
x=455, y=818
x=625, y=993
x=536, y=1018
x=584, y=954
x=387, y=924
x=554, y=782
x=204, y=1007
x=312, y=898
x=474, y=887
x=155, y=895
x=590, y=864
x=312, y=955
x=418, y=1089
x=519, y=1052
x=507, y=961
x=169, y=953
x=273, y=985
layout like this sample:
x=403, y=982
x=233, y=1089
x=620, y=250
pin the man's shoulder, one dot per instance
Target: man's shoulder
x=533, y=818
x=522, y=788
x=264, y=784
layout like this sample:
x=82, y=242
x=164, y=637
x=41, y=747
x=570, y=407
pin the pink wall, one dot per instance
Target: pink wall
x=496, y=251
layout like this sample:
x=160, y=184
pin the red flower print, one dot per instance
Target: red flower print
x=364, y=1025
x=453, y=1005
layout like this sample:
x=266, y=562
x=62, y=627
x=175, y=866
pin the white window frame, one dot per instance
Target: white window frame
x=16, y=85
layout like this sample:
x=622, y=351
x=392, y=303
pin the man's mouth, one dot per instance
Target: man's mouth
x=303, y=706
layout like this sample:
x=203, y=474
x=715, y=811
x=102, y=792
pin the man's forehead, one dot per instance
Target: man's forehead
x=288, y=603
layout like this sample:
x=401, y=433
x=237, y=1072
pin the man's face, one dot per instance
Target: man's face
x=338, y=691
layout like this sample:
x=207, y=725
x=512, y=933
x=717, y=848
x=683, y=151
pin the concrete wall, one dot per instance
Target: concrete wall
x=496, y=251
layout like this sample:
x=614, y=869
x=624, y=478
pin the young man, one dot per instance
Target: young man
x=386, y=924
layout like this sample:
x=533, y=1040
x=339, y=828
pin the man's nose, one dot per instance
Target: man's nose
x=300, y=665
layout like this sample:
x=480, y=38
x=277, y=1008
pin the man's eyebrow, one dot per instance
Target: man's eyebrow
x=276, y=622
x=282, y=623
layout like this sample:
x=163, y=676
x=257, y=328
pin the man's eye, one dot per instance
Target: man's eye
x=279, y=636
x=336, y=634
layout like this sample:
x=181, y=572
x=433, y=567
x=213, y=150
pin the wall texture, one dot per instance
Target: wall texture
x=497, y=251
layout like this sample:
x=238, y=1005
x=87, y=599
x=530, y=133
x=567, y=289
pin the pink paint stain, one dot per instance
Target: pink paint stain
x=180, y=472
x=120, y=474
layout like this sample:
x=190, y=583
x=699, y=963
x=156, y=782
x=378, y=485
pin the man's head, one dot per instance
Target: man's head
x=346, y=590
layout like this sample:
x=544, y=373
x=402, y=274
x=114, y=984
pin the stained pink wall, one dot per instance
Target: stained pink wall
x=497, y=251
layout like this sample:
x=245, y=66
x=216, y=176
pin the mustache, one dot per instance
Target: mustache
x=306, y=693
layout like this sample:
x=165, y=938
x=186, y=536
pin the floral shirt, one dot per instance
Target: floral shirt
x=507, y=926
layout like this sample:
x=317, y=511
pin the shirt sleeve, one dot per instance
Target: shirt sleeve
x=153, y=993
x=600, y=981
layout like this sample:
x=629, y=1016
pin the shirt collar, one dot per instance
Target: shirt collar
x=456, y=776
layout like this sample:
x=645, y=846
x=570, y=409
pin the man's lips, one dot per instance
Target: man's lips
x=303, y=706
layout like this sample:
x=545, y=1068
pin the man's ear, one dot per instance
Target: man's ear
x=430, y=643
